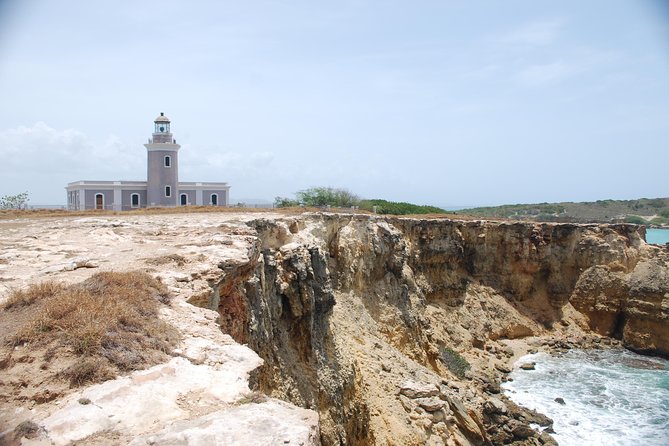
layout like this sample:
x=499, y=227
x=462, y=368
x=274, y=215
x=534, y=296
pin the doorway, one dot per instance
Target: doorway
x=99, y=201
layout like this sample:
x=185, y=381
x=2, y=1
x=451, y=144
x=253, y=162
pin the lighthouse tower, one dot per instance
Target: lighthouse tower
x=162, y=165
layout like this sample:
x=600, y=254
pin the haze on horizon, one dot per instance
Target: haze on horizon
x=448, y=103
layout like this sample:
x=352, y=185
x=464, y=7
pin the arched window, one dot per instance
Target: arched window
x=184, y=199
x=99, y=201
x=168, y=161
x=134, y=200
x=168, y=191
x=214, y=199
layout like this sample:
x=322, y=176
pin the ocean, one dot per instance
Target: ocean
x=611, y=397
x=658, y=237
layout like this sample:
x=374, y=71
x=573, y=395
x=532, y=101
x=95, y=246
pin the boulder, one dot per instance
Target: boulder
x=465, y=422
x=413, y=389
x=528, y=365
x=494, y=406
x=431, y=404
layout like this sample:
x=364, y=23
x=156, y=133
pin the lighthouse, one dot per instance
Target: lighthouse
x=161, y=188
x=162, y=174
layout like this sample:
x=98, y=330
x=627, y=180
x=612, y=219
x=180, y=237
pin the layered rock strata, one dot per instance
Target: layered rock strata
x=345, y=309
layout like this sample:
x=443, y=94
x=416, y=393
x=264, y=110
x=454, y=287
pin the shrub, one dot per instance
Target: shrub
x=283, y=202
x=398, y=208
x=454, y=362
x=326, y=196
x=635, y=219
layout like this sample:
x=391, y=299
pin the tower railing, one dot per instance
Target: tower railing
x=162, y=138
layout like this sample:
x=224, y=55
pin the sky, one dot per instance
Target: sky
x=445, y=102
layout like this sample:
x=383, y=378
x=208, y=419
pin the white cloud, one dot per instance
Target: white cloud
x=41, y=147
x=53, y=157
x=538, y=33
x=547, y=74
x=577, y=63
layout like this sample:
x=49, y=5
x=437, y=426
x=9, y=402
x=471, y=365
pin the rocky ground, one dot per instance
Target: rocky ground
x=199, y=396
x=382, y=330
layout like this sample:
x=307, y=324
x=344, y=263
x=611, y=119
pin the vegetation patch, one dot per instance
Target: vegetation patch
x=88, y=332
x=635, y=219
x=177, y=259
x=254, y=397
x=454, y=361
x=601, y=211
x=27, y=429
x=398, y=207
x=342, y=198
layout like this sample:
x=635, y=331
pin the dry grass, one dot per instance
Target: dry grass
x=46, y=213
x=298, y=210
x=109, y=322
x=178, y=259
x=253, y=397
x=25, y=298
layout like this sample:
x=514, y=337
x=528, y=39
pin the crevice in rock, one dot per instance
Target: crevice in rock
x=619, y=325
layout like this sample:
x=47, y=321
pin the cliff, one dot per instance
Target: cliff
x=346, y=310
x=394, y=331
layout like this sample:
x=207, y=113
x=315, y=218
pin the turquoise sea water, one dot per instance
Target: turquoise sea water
x=612, y=397
x=659, y=237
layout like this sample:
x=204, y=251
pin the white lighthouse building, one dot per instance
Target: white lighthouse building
x=161, y=188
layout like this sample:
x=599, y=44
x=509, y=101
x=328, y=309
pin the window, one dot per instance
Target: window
x=168, y=191
x=134, y=200
x=184, y=199
x=214, y=199
x=168, y=161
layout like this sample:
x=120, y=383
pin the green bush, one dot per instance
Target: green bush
x=659, y=221
x=398, y=208
x=635, y=219
x=454, y=362
x=665, y=213
x=283, y=202
x=327, y=196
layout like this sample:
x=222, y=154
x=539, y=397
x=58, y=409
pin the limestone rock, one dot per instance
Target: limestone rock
x=528, y=366
x=270, y=423
x=431, y=404
x=418, y=390
x=495, y=406
x=464, y=420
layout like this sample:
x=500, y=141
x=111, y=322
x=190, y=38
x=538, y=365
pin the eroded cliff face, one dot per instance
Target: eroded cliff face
x=361, y=318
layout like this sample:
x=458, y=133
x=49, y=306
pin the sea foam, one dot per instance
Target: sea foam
x=612, y=397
